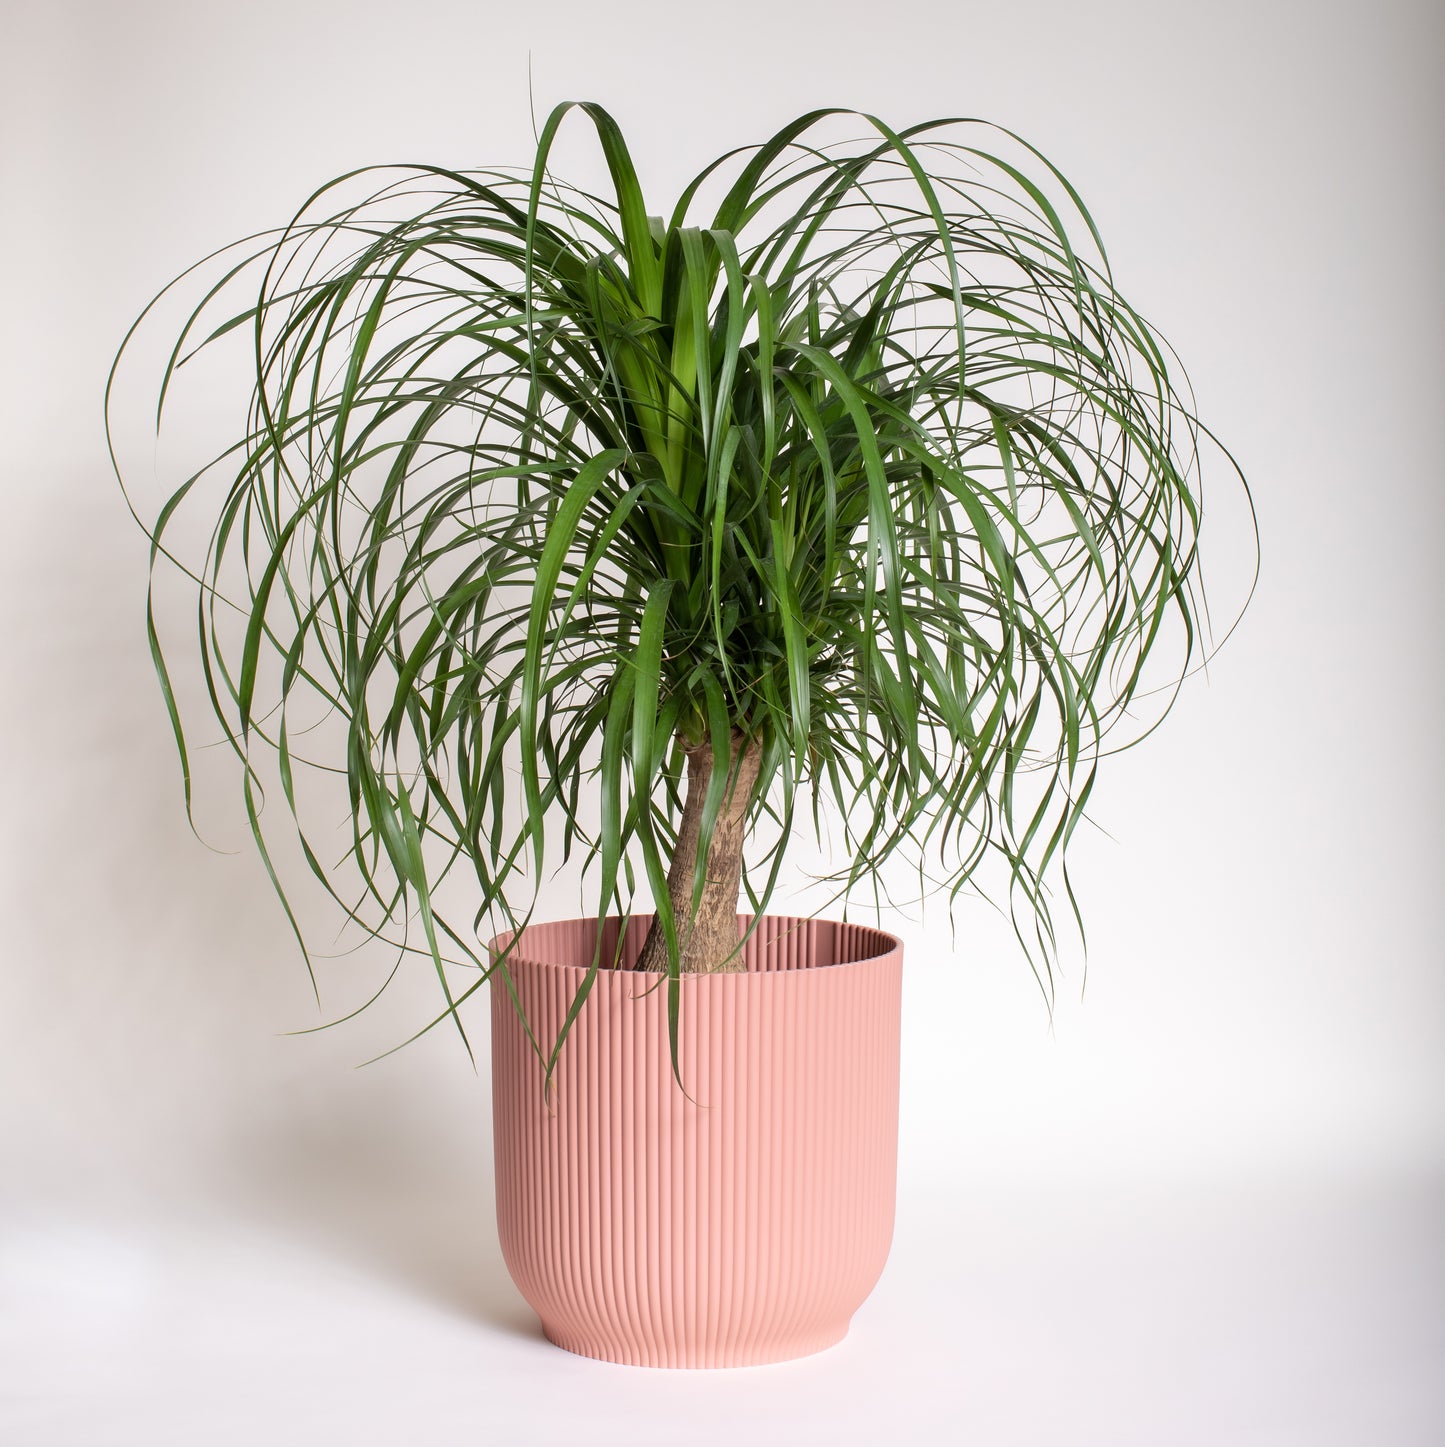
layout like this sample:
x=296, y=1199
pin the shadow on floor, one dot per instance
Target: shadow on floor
x=386, y=1196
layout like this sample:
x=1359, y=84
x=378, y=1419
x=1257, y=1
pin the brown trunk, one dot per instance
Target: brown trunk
x=710, y=936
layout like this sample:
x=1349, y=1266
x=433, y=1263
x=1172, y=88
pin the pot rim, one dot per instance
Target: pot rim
x=888, y=945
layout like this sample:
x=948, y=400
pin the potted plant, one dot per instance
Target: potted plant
x=850, y=497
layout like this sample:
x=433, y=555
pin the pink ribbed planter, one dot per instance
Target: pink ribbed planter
x=745, y=1225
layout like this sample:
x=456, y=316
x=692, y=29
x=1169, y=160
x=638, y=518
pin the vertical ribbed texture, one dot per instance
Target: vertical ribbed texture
x=744, y=1225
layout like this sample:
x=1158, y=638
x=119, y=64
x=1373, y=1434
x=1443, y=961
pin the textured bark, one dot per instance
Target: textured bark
x=710, y=936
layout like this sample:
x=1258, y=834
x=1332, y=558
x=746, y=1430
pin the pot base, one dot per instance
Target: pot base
x=587, y=1345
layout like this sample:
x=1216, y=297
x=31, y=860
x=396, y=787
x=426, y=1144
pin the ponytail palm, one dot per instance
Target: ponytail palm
x=851, y=500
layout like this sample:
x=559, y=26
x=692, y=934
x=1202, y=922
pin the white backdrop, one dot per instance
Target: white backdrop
x=1202, y=1205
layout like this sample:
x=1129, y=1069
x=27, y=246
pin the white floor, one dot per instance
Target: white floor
x=1243, y=1315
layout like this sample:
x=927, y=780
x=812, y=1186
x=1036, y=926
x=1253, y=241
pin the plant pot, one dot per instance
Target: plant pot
x=743, y=1222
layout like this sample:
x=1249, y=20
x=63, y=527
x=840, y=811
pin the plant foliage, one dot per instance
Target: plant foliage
x=866, y=461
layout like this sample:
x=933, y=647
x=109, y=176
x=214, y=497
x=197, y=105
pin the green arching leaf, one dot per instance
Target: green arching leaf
x=559, y=538
x=416, y=875
x=646, y=694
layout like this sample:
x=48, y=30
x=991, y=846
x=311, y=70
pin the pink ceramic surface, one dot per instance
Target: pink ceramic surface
x=744, y=1225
